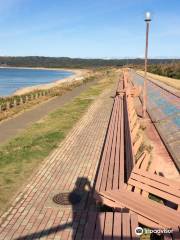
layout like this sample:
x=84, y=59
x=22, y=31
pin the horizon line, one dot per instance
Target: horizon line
x=91, y=58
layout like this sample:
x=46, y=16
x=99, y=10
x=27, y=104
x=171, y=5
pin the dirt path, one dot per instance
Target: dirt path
x=11, y=127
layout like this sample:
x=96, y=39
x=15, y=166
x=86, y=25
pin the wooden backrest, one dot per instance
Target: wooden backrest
x=129, y=155
x=143, y=162
x=147, y=208
x=160, y=179
x=156, y=185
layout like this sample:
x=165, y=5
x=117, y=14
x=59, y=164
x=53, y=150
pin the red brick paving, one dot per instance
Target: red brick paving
x=33, y=211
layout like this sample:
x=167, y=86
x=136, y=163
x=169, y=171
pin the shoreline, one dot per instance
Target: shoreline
x=40, y=68
x=78, y=74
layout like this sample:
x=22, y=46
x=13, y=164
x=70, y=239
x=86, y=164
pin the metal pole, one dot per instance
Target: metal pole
x=145, y=72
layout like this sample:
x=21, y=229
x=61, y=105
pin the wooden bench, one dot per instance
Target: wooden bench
x=150, y=213
x=151, y=184
x=138, y=187
x=144, y=164
x=120, y=146
x=111, y=169
x=110, y=225
x=129, y=155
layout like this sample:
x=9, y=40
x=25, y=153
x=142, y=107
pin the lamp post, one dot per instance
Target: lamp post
x=147, y=20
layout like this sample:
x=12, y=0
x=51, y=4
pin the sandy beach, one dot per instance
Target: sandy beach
x=78, y=74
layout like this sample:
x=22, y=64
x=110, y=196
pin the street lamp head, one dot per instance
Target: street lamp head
x=148, y=17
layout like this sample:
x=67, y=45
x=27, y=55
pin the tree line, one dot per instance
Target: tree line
x=171, y=70
x=164, y=67
x=65, y=62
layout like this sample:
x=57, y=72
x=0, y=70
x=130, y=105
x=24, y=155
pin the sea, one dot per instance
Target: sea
x=13, y=79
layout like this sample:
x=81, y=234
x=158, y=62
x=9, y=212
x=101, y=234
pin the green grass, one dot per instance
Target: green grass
x=52, y=92
x=20, y=156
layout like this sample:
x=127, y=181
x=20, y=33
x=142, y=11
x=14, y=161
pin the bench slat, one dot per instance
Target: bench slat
x=126, y=225
x=140, y=160
x=108, y=226
x=134, y=132
x=165, y=195
x=108, y=155
x=119, y=156
x=149, y=223
x=90, y=226
x=144, y=207
x=129, y=160
x=121, y=159
x=145, y=163
x=155, y=184
x=117, y=226
x=137, y=145
x=161, y=180
x=111, y=173
x=134, y=225
x=100, y=220
x=106, y=148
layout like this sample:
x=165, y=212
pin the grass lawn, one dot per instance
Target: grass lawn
x=21, y=156
x=175, y=83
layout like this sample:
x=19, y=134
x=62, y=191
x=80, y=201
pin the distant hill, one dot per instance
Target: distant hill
x=65, y=62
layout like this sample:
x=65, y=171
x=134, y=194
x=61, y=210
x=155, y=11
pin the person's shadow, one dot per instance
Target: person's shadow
x=86, y=217
x=82, y=201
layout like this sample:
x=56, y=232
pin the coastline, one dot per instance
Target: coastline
x=78, y=74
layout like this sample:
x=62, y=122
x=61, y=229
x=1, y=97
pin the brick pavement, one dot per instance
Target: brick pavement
x=71, y=166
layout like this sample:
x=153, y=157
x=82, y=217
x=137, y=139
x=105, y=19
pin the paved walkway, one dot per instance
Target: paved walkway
x=164, y=109
x=161, y=159
x=71, y=167
x=11, y=127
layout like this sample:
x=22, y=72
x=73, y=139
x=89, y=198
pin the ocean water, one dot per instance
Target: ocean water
x=12, y=79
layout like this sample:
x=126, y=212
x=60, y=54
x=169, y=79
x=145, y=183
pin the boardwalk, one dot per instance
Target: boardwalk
x=71, y=166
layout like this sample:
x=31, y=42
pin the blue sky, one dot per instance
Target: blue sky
x=88, y=28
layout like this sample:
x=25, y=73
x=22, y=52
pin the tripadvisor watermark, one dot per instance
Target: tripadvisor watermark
x=139, y=231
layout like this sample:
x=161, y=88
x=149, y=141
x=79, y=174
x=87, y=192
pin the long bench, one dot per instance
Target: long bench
x=121, y=144
x=134, y=188
x=112, y=174
x=140, y=178
x=111, y=169
x=117, y=159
